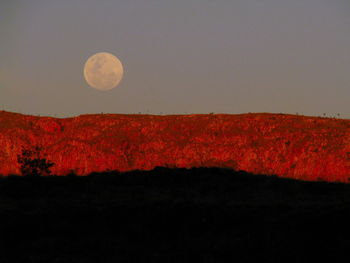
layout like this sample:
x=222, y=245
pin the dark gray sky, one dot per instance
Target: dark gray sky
x=183, y=56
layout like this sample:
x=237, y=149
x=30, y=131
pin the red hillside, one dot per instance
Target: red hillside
x=307, y=148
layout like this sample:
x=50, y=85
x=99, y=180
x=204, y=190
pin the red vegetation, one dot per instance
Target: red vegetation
x=308, y=148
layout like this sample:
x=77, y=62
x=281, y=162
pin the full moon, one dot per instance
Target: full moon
x=103, y=71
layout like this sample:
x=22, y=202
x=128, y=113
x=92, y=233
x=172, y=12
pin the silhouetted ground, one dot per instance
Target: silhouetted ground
x=173, y=215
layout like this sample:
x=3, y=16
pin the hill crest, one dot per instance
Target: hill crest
x=300, y=147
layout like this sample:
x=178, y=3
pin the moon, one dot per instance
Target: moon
x=103, y=71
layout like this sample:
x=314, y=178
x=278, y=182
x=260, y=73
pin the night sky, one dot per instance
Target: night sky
x=179, y=57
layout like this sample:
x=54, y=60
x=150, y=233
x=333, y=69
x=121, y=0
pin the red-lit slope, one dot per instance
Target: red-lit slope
x=300, y=147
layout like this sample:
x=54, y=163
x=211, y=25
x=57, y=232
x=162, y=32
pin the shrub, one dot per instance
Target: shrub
x=32, y=164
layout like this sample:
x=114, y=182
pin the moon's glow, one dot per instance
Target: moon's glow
x=103, y=71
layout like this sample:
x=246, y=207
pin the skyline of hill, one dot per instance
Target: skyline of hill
x=294, y=146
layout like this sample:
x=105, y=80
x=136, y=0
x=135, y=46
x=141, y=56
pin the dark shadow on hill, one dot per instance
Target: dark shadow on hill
x=172, y=215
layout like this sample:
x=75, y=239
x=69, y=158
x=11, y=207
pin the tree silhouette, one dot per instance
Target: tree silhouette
x=32, y=164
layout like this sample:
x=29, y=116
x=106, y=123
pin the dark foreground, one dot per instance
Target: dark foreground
x=173, y=215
